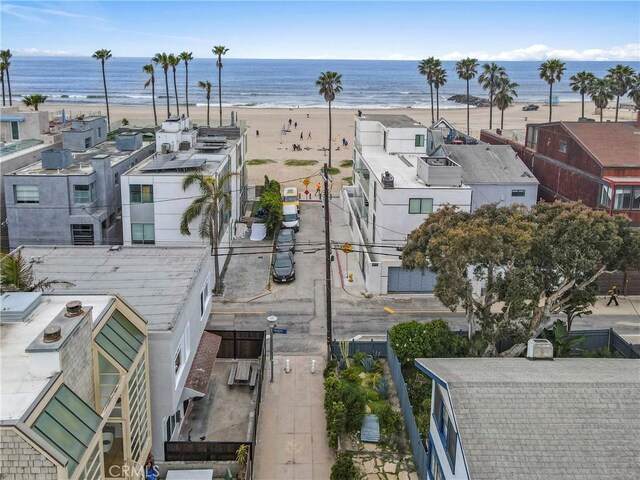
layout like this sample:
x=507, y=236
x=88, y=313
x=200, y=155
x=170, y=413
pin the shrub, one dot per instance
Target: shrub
x=383, y=388
x=368, y=363
x=342, y=364
x=351, y=375
x=358, y=357
x=344, y=468
x=329, y=368
x=411, y=340
x=336, y=423
x=352, y=395
x=390, y=421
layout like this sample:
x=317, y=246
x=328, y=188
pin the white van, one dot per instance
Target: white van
x=290, y=217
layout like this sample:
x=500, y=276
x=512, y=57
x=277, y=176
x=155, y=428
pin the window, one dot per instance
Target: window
x=635, y=200
x=437, y=408
x=562, y=147
x=99, y=132
x=82, y=234
x=172, y=422
x=622, y=198
x=15, y=131
x=84, y=194
x=605, y=196
x=87, y=142
x=384, y=140
x=517, y=193
x=419, y=141
x=421, y=205
x=205, y=295
x=116, y=178
x=435, y=470
x=143, y=233
x=177, y=361
x=26, y=193
x=141, y=193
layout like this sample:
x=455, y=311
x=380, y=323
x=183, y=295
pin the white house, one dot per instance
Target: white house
x=153, y=200
x=396, y=185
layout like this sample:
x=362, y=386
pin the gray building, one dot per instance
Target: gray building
x=71, y=198
x=169, y=287
x=16, y=125
x=85, y=133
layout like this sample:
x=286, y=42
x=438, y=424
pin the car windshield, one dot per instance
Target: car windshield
x=290, y=217
x=282, y=262
x=291, y=198
x=285, y=236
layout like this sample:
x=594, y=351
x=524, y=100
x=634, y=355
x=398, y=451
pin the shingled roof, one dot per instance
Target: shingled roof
x=612, y=144
x=561, y=419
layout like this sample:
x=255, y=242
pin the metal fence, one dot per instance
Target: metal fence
x=617, y=343
x=203, y=451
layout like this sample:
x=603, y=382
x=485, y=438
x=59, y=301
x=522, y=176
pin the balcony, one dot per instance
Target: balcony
x=439, y=171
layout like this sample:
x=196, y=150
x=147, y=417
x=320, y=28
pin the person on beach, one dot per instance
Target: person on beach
x=301, y=136
x=289, y=123
x=257, y=133
x=295, y=125
x=309, y=136
x=614, y=292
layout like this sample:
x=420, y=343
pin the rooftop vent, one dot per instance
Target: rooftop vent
x=52, y=334
x=165, y=148
x=186, y=145
x=129, y=141
x=387, y=180
x=73, y=309
x=56, y=158
x=539, y=349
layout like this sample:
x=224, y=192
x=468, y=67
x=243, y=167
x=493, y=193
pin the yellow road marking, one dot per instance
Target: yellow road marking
x=238, y=313
x=389, y=310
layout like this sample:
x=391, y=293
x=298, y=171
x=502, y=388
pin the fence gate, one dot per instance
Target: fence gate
x=416, y=280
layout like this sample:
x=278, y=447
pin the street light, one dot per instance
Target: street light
x=271, y=320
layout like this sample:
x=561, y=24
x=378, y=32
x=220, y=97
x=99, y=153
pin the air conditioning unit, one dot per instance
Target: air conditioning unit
x=165, y=148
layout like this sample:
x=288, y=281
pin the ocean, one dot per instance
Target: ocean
x=272, y=83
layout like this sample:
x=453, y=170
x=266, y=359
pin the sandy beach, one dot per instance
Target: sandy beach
x=270, y=145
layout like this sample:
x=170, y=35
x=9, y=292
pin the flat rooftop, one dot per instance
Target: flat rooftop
x=18, y=387
x=156, y=281
x=81, y=163
x=181, y=163
x=392, y=121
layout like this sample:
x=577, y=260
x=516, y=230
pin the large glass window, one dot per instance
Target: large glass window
x=517, y=193
x=143, y=233
x=622, y=198
x=562, y=146
x=141, y=193
x=205, y=295
x=26, y=193
x=605, y=196
x=419, y=141
x=84, y=194
x=421, y=205
x=109, y=378
x=138, y=411
x=15, y=131
x=635, y=200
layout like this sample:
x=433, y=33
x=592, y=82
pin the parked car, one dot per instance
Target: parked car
x=530, y=107
x=286, y=240
x=290, y=218
x=283, y=267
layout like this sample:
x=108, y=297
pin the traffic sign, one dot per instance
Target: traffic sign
x=346, y=248
x=280, y=330
x=306, y=182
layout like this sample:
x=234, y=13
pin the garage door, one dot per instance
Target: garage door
x=407, y=281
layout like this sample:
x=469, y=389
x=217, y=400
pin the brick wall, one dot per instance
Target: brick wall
x=77, y=362
x=19, y=460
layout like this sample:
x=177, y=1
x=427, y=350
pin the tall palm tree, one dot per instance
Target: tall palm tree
x=2, y=69
x=634, y=90
x=490, y=80
x=551, y=72
x=5, y=57
x=600, y=92
x=439, y=79
x=162, y=59
x=505, y=97
x=329, y=84
x=427, y=67
x=149, y=70
x=186, y=57
x=173, y=62
x=34, y=100
x=620, y=78
x=16, y=275
x=213, y=200
x=466, y=70
x=580, y=82
x=219, y=51
x=103, y=55
x=206, y=86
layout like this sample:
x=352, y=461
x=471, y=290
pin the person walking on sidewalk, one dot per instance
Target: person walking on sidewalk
x=614, y=292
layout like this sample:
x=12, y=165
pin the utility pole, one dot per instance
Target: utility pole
x=327, y=253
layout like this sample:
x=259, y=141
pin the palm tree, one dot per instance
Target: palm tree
x=580, y=82
x=5, y=57
x=505, y=97
x=103, y=55
x=34, y=100
x=620, y=77
x=206, y=86
x=600, y=92
x=2, y=69
x=634, y=90
x=16, y=275
x=149, y=70
x=466, y=70
x=163, y=60
x=220, y=50
x=439, y=79
x=186, y=57
x=551, y=72
x=427, y=68
x=173, y=62
x=329, y=84
x=490, y=80
x=213, y=200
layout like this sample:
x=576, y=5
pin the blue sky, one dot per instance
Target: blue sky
x=515, y=30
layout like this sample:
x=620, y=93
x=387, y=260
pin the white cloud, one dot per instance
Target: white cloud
x=43, y=53
x=628, y=52
x=39, y=15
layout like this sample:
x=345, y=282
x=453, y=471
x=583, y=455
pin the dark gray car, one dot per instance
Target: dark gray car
x=286, y=240
x=283, y=267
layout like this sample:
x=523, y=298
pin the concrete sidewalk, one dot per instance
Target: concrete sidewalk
x=292, y=438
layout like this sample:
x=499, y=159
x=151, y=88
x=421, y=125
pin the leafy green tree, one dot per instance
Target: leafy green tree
x=149, y=70
x=634, y=90
x=206, y=86
x=411, y=340
x=219, y=52
x=563, y=343
x=271, y=201
x=439, y=80
x=173, y=63
x=490, y=80
x=505, y=98
x=34, y=100
x=581, y=82
x=580, y=303
x=467, y=68
x=5, y=58
x=428, y=67
x=344, y=468
x=601, y=93
x=551, y=72
x=186, y=57
x=329, y=84
x=162, y=59
x=103, y=55
x=214, y=199
x=16, y=275
x=620, y=78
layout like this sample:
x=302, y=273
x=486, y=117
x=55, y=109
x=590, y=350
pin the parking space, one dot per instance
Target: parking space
x=248, y=271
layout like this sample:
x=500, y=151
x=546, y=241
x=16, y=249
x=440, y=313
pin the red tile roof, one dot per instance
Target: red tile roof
x=612, y=144
x=202, y=366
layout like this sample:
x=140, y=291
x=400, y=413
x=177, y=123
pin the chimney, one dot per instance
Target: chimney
x=539, y=349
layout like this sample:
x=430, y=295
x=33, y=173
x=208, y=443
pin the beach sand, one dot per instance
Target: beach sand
x=269, y=122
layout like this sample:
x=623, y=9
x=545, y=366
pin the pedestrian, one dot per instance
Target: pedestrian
x=296, y=125
x=614, y=292
x=318, y=188
x=289, y=123
x=301, y=136
x=309, y=136
x=307, y=115
x=257, y=133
